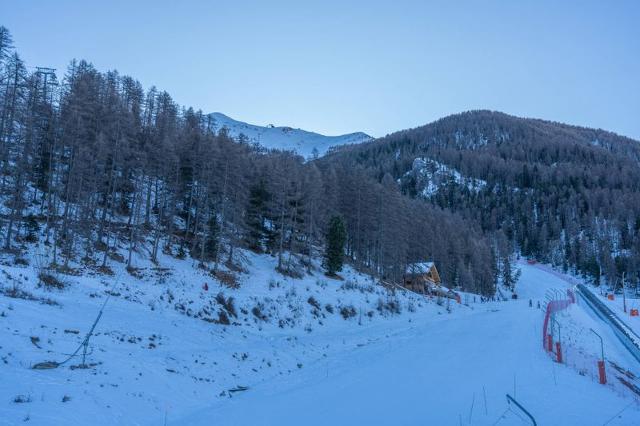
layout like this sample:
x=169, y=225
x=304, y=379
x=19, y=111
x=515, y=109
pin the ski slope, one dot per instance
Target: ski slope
x=158, y=362
x=439, y=370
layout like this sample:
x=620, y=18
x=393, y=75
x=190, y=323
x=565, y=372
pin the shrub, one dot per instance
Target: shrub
x=391, y=306
x=227, y=303
x=292, y=271
x=362, y=288
x=49, y=280
x=273, y=284
x=16, y=292
x=223, y=318
x=257, y=312
x=348, y=312
x=227, y=278
x=21, y=399
x=21, y=261
x=313, y=302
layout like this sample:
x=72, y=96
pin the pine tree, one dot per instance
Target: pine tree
x=509, y=275
x=255, y=217
x=336, y=238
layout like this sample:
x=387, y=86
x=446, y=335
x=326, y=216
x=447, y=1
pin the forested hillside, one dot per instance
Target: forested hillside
x=558, y=193
x=91, y=162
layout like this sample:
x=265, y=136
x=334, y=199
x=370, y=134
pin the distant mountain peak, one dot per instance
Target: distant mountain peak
x=286, y=138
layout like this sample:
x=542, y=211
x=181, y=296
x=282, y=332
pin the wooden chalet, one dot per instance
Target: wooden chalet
x=421, y=277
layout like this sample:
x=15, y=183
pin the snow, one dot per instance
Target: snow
x=473, y=141
x=158, y=354
x=419, y=268
x=160, y=360
x=438, y=371
x=286, y=138
x=617, y=306
x=431, y=175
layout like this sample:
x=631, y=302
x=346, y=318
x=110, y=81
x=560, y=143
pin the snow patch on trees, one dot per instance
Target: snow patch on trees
x=431, y=176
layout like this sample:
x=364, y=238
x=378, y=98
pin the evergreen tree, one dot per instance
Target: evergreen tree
x=211, y=241
x=336, y=238
x=509, y=275
x=256, y=214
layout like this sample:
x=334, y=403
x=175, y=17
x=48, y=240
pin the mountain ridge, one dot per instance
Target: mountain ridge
x=285, y=138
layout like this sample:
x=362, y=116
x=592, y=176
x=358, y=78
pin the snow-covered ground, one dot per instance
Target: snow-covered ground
x=617, y=306
x=443, y=369
x=163, y=358
x=286, y=138
x=162, y=348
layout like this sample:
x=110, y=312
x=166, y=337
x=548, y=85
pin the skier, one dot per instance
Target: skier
x=530, y=303
x=205, y=287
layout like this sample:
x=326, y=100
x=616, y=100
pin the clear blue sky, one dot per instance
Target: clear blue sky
x=341, y=66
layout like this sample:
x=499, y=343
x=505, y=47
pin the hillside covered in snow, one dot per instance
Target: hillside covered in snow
x=176, y=346
x=307, y=144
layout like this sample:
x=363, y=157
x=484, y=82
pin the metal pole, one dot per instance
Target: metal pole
x=600, y=278
x=555, y=321
x=601, y=343
x=559, y=335
x=510, y=400
x=624, y=296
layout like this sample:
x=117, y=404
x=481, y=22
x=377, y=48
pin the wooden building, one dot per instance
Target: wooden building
x=421, y=277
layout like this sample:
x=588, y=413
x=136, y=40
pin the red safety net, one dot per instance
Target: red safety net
x=553, y=307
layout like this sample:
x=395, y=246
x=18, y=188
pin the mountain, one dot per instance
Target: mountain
x=286, y=138
x=563, y=194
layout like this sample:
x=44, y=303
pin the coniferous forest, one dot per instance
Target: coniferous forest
x=556, y=193
x=91, y=160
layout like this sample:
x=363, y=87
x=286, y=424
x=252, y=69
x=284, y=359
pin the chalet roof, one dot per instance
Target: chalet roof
x=418, y=268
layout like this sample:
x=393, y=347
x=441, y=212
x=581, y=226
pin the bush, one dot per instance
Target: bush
x=292, y=271
x=257, y=312
x=227, y=278
x=21, y=261
x=313, y=302
x=352, y=286
x=273, y=284
x=223, y=318
x=348, y=312
x=391, y=306
x=227, y=303
x=16, y=292
x=21, y=399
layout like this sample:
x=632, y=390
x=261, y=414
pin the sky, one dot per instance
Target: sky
x=342, y=66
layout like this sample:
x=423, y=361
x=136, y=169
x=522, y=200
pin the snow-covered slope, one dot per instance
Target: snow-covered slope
x=165, y=346
x=450, y=370
x=310, y=351
x=286, y=138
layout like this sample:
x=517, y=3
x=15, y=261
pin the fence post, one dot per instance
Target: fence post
x=602, y=375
